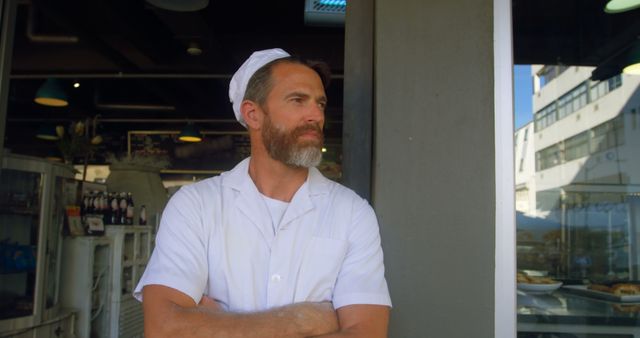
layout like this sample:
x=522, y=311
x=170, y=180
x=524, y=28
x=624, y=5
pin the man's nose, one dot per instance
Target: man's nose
x=315, y=114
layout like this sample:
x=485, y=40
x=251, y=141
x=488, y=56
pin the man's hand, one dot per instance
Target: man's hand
x=311, y=318
x=315, y=318
x=361, y=321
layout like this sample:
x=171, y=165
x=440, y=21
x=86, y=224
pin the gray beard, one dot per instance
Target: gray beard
x=282, y=149
x=305, y=157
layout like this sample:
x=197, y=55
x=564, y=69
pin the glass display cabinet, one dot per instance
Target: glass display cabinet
x=33, y=193
x=131, y=253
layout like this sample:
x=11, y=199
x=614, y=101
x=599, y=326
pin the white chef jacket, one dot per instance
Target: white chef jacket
x=216, y=239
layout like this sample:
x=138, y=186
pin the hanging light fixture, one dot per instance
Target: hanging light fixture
x=633, y=61
x=619, y=6
x=47, y=132
x=190, y=133
x=633, y=69
x=52, y=94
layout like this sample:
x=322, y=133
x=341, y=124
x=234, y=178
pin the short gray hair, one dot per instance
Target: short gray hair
x=260, y=82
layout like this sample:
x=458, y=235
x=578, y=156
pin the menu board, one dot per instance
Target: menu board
x=217, y=152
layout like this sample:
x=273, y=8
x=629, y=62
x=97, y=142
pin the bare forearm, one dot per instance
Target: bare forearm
x=346, y=334
x=353, y=334
x=294, y=321
x=361, y=321
x=201, y=322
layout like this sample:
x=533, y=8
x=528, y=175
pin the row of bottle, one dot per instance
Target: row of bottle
x=115, y=208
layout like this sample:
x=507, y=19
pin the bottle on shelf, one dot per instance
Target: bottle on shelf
x=106, y=208
x=143, y=215
x=97, y=204
x=84, y=206
x=130, y=209
x=123, y=208
x=90, y=198
x=104, y=205
x=115, y=209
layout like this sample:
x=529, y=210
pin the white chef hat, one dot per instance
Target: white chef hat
x=239, y=81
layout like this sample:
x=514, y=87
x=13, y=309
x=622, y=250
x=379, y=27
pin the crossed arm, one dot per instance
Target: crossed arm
x=171, y=313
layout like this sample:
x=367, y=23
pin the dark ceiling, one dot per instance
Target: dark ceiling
x=135, y=74
x=573, y=32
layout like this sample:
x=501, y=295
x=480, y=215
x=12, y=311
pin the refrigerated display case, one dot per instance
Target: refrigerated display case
x=131, y=252
x=98, y=280
x=87, y=286
x=33, y=193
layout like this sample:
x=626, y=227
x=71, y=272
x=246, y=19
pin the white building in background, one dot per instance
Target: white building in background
x=586, y=180
x=586, y=133
x=525, y=170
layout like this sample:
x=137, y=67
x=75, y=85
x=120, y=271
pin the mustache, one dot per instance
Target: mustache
x=306, y=128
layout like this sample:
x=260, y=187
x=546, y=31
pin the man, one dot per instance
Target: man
x=270, y=248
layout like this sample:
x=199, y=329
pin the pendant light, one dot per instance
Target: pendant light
x=619, y=6
x=47, y=132
x=190, y=133
x=633, y=60
x=52, y=94
x=633, y=69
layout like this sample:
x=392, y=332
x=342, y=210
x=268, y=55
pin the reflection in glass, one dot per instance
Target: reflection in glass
x=20, y=196
x=578, y=201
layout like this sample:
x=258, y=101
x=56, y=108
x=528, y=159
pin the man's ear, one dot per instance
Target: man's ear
x=251, y=113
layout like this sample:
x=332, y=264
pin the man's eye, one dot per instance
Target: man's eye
x=322, y=105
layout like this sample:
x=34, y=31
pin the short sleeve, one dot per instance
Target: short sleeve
x=179, y=259
x=361, y=278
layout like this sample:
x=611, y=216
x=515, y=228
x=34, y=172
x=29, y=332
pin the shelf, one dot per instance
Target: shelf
x=131, y=226
x=13, y=313
x=19, y=211
x=17, y=272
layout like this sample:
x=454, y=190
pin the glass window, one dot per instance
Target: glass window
x=615, y=82
x=597, y=90
x=576, y=146
x=607, y=135
x=548, y=157
x=20, y=196
x=564, y=109
x=578, y=227
x=601, y=88
x=546, y=116
x=550, y=72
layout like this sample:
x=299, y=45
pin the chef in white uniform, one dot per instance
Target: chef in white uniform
x=271, y=248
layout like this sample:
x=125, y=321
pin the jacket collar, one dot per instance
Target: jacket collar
x=238, y=179
x=250, y=204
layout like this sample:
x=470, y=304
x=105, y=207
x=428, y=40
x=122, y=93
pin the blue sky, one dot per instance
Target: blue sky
x=523, y=90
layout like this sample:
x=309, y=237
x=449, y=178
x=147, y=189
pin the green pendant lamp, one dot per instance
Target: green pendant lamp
x=52, y=94
x=633, y=69
x=190, y=133
x=619, y=6
x=633, y=61
x=47, y=132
